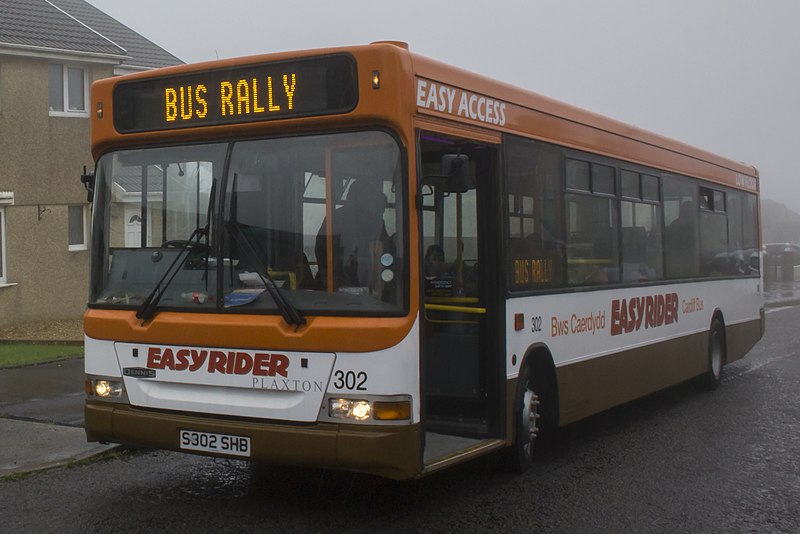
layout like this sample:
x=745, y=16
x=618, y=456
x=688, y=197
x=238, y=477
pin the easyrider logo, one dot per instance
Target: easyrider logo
x=217, y=361
x=628, y=315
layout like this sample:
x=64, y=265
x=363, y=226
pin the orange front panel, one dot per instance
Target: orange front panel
x=320, y=334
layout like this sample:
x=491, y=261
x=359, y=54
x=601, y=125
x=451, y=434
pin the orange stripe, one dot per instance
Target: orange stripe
x=320, y=334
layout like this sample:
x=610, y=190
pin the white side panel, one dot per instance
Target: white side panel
x=583, y=325
x=393, y=371
x=100, y=358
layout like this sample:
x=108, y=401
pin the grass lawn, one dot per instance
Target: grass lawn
x=19, y=354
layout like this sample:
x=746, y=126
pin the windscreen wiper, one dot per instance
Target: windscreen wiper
x=289, y=313
x=148, y=307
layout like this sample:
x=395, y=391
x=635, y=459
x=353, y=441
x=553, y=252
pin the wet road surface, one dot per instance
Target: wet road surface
x=682, y=460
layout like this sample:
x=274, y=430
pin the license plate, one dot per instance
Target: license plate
x=191, y=440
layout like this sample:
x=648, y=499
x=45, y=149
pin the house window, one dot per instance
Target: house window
x=68, y=89
x=77, y=227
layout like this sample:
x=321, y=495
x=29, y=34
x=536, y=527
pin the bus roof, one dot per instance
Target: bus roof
x=529, y=114
x=538, y=106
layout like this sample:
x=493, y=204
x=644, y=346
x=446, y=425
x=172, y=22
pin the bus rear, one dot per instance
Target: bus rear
x=249, y=287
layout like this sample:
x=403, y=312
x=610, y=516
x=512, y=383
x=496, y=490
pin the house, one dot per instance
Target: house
x=50, y=52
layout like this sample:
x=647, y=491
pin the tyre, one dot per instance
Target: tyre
x=716, y=355
x=519, y=456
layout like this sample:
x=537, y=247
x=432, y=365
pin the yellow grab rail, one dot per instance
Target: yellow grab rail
x=457, y=309
x=451, y=300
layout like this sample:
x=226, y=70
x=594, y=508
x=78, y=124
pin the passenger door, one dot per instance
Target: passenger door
x=462, y=357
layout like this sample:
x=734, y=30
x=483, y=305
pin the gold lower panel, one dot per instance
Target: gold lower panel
x=392, y=452
x=592, y=386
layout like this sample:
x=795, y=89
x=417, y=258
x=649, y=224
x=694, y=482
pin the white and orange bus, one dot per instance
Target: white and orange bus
x=363, y=259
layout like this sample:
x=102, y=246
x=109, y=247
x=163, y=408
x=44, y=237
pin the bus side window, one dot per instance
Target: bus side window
x=536, y=245
x=681, y=232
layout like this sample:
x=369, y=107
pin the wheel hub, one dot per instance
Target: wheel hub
x=530, y=416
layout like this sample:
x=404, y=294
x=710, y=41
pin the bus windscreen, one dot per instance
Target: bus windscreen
x=267, y=91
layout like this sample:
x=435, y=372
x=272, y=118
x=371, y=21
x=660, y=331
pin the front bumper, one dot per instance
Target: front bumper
x=388, y=451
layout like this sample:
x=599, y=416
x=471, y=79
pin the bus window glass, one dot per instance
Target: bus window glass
x=534, y=214
x=714, y=258
x=603, y=179
x=463, y=262
x=185, y=200
x=157, y=203
x=681, y=234
x=735, y=220
x=630, y=184
x=450, y=223
x=592, y=239
x=641, y=241
x=285, y=202
x=577, y=174
x=743, y=259
x=313, y=213
x=320, y=215
x=650, y=189
x=719, y=201
x=706, y=199
x=750, y=231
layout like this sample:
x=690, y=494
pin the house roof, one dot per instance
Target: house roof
x=142, y=52
x=75, y=27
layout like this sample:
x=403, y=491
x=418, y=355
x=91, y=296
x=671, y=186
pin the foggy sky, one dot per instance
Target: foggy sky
x=723, y=75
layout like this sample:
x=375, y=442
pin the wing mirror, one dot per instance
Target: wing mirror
x=87, y=179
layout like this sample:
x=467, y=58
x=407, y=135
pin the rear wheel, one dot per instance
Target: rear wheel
x=716, y=355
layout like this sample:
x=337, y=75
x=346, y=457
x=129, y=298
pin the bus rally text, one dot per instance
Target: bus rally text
x=243, y=97
x=533, y=271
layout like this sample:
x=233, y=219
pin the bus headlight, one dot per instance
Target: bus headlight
x=107, y=388
x=359, y=410
x=375, y=408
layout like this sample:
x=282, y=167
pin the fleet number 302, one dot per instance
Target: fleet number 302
x=356, y=380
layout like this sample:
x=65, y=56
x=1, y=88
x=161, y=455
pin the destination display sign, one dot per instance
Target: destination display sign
x=260, y=92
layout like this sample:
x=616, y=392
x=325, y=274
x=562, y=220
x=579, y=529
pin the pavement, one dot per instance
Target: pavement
x=41, y=417
x=41, y=407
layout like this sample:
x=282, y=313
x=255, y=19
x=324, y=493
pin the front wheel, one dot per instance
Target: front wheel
x=519, y=456
x=716, y=355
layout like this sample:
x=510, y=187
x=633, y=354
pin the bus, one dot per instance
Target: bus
x=364, y=259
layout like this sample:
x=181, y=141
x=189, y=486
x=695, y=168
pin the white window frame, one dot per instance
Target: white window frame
x=83, y=113
x=83, y=245
x=6, y=199
x=3, y=248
